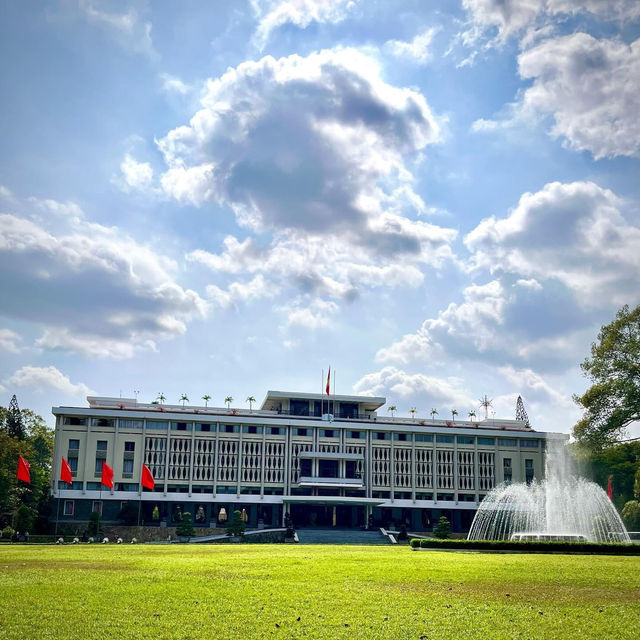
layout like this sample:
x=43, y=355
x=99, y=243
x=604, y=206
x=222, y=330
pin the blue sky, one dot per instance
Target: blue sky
x=438, y=199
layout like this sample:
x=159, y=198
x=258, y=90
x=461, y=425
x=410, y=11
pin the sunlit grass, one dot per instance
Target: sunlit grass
x=278, y=591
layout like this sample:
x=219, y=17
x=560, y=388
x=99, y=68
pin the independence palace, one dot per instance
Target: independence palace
x=325, y=461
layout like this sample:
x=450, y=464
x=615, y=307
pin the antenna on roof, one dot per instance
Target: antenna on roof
x=521, y=412
x=485, y=403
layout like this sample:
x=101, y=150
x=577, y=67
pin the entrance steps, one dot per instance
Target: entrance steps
x=341, y=536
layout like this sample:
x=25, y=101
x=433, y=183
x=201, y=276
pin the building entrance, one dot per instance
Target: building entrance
x=327, y=515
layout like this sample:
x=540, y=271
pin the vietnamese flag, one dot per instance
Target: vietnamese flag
x=147, y=478
x=107, y=475
x=23, y=470
x=609, y=488
x=328, y=381
x=65, y=472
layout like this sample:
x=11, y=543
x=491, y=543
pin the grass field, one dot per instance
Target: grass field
x=240, y=592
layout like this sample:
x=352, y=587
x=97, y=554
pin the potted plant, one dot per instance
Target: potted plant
x=185, y=529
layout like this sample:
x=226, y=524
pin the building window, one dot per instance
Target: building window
x=275, y=431
x=299, y=407
x=129, y=446
x=423, y=437
x=157, y=424
x=327, y=433
x=348, y=409
x=402, y=437
x=508, y=442
x=73, y=463
x=297, y=431
x=180, y=426
x=248, y=428
x=507, y=470
x=355, y=435
x=73, y=420
x=127, y=467
x=131, y=424
x=381, y=435
x=103, y=422
x=486, y=442
x=229, y=428
x=96, y=507
x=464, y=439
x=74, y=445
x=101, y=445
x=445, y=439
x=204, y=426
x=528, y=471
x=532, y=444
x=68, y=508
x=98, y=468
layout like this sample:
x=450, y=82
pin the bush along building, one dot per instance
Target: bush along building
x=325, y=461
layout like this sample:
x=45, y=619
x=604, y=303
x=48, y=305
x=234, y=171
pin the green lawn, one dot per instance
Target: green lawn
x=280, y=591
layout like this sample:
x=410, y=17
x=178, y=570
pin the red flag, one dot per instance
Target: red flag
x=147, y=477
x=328, y=381
x=65, y=472
x=23, y=470
x=609, y=488
x=107, y=475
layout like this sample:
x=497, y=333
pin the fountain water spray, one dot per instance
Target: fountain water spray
x=561, y=505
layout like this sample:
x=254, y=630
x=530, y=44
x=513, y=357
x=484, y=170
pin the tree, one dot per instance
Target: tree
x=185, y=528
x=631, y=515
x=236, y=526
x=392, y=409
x=94, y=528
x=251, y=400
x=454, y=413
x=184, y=398
x=14, y=422
x=228, y=400
x=613, y=401
x=472, y=415
x=433, y=413
x=23, y=518
x=413, y=412
x=442, y=528
x=206, y=399
x=161, y=397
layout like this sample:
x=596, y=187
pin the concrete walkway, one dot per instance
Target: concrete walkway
x=341, y=536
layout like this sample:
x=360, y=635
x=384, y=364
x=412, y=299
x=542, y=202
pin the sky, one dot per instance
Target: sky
x=439, y=200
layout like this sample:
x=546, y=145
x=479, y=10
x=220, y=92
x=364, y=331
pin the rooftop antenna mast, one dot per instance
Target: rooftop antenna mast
x=485, y=403
x=521, y=412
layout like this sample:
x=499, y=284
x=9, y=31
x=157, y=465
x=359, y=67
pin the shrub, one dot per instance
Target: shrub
x=185, y=528
x=236, y=526
x=631, y=515
x=415, y=543
x=23, y=518
x=8, y=532
x=533, y=546
x=95, y=525
x=442, y=528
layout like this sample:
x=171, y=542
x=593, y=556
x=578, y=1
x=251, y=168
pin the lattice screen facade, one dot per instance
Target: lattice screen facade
x=155, y=450
x=424, y=468
x=466, y=472
x=204, y=452
x=179, y=458
x=381, y=466
x=228, y=461
x=360, y=466
x=274, y=462
x=444, y=468
x=296, y=449
x=251, y=468
x=402, y=467
x=486, y=471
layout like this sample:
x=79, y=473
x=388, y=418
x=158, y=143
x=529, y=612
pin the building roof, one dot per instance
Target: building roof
x=368, y=403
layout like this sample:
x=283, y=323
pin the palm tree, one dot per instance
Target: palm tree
x=472, y=415
x=392, y=409
x=206, y=397
x=454, y=413
x=183, y=398
x=433, y=412
x=251, y=400
x=161, y=397
x=228, y=400
x=413, y=412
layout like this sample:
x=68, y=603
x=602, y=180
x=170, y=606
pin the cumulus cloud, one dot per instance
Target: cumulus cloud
x=135, y=175
x=418, y=49
x=239, y=292
x=421, y=389
x=313, y=314
x=8, y=340
x=273, y=14
x=565, y=256
x=92, y=288
x=534, y=386
x=173, y=84
x=45, y=378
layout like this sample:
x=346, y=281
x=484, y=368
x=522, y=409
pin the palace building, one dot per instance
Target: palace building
x=326, y=461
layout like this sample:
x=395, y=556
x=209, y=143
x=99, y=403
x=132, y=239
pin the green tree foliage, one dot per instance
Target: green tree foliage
x=613, y=400
x=14, y=422
x=442, y=528
x=23, y=518
x=236, y=526
x=631, y=515
x=94, y=527
x=185, y=528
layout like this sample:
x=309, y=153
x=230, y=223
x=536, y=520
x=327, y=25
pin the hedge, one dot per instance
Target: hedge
x=615, y=548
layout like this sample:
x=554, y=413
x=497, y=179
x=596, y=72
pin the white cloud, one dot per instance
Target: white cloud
x=173, y=84
x=273, y=14
x=314, y=314
x=92, y=288
x=127, y=29
x=533, y=385
x=238, y=292
x=8, y=340
x=136, y=175
x=44, y=378
x=423, y=391
x=418, y=49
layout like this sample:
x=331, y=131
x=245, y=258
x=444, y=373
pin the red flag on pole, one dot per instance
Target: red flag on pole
x=23, y=470
x=328, y=381
x=107, y=475
x=609, y=488
x=147, y=478
x=65, y=472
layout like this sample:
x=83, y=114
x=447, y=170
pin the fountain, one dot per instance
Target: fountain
x=560, y=507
